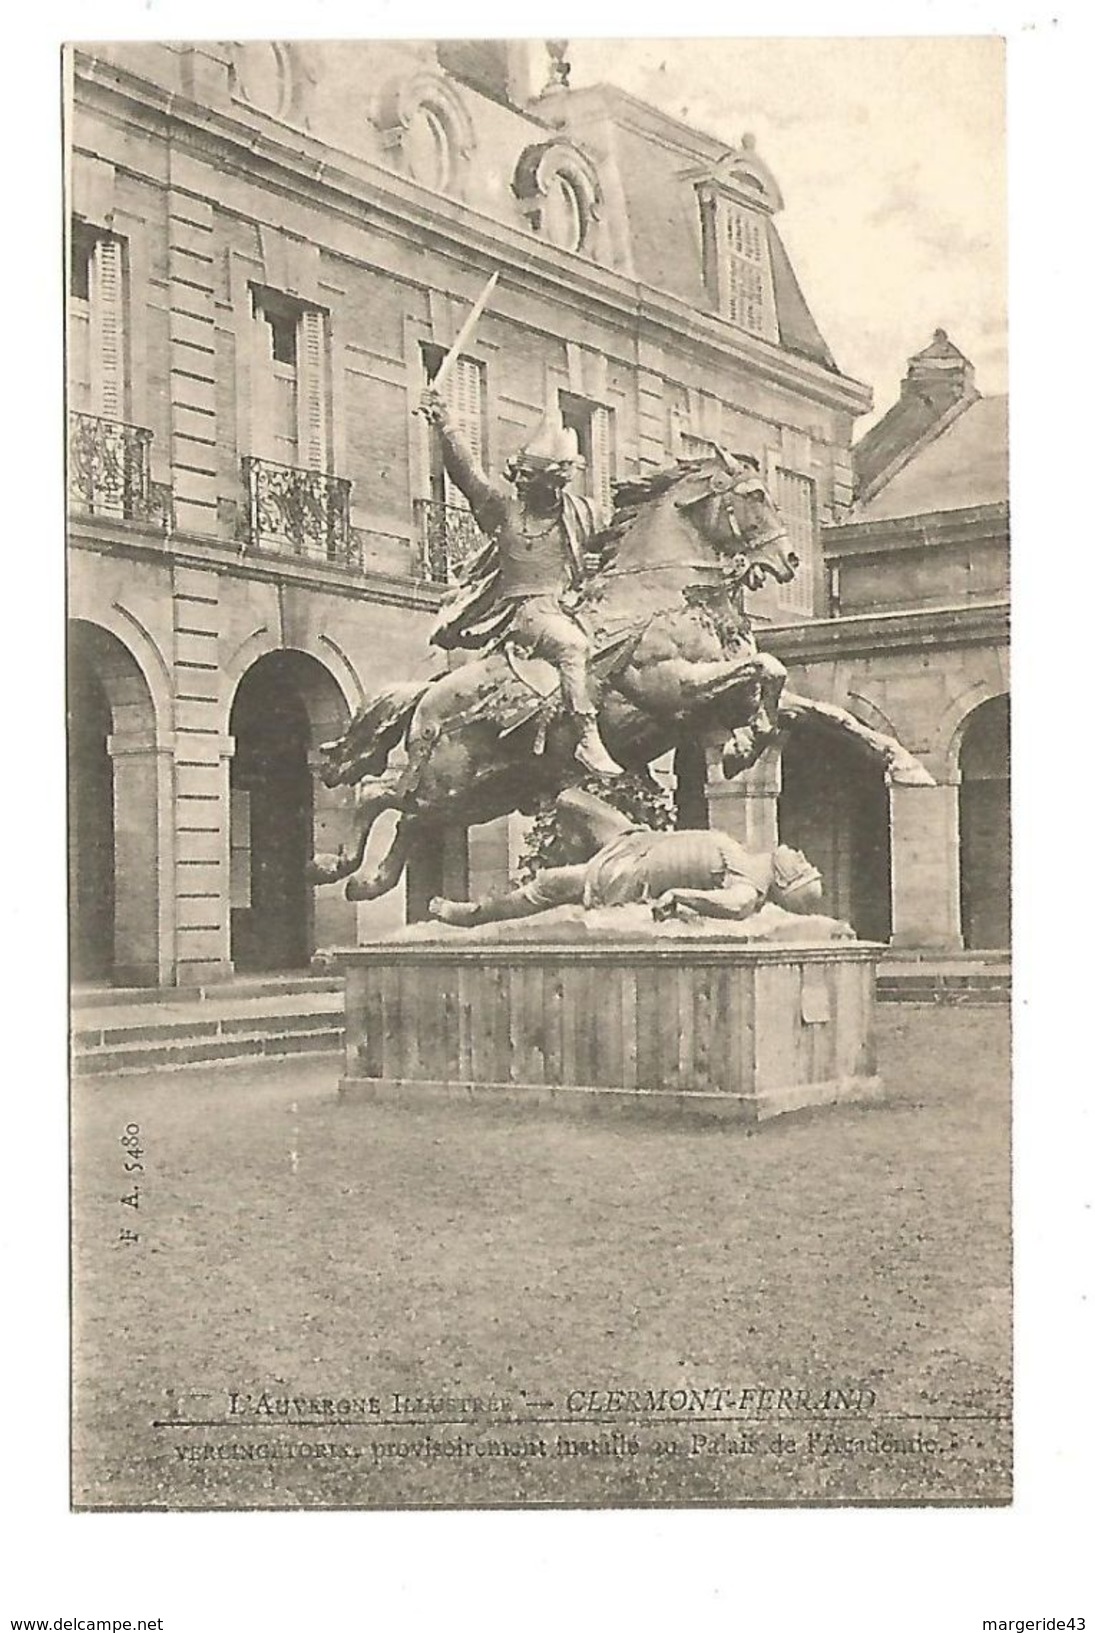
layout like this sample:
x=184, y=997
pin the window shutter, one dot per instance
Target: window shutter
x=745, y=272
x=107, y=336
x=466, y=407
x=312, y=390
x=600, y=484
x=795, y=497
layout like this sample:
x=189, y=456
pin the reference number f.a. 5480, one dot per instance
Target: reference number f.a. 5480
x=132, y=1164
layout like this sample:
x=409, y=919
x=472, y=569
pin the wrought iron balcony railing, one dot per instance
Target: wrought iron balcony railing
x=109, y=468
x=298, y=513
x=448, y=535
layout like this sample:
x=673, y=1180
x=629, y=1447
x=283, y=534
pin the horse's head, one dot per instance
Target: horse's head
x=728, y=503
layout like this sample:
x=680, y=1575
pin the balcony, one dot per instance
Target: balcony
x=447, y=535
x=293, y=512
x=109, y=469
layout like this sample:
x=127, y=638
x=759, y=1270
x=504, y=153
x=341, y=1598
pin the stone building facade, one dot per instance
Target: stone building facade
x=271, y=246
x=912, y=638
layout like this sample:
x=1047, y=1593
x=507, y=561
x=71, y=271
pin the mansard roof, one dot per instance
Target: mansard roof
x=657, y=162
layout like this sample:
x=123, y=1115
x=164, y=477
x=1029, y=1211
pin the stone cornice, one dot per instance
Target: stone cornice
x=292, y=161
x=106, y=536
x=868, y=634
x=697, y=946
x=975, y=525
x=140, y=540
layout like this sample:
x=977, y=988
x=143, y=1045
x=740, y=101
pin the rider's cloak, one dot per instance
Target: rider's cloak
x=475, y=614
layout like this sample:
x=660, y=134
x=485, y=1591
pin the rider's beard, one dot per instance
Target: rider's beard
x=541, y=498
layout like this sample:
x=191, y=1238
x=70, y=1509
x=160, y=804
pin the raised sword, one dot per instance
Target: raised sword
x=448, y=362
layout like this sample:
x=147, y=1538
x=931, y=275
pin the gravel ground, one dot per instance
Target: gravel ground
x=296, y=1250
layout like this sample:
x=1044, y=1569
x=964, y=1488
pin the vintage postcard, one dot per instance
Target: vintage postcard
x=539, y=773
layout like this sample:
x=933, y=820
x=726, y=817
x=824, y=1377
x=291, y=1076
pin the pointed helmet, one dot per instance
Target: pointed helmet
x=550, y=446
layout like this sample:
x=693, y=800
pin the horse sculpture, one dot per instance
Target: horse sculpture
x=675, y=660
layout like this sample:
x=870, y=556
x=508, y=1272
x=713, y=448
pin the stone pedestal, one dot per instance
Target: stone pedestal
x=924, y=851
x=686, y=1025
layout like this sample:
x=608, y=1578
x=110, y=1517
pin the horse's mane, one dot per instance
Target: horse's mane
x=634, y=493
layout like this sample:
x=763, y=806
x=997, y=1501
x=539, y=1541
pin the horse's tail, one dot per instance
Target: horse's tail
x=364, y=747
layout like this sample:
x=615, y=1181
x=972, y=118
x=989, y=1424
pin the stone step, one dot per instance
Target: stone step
x=943, y=987
x=239, y=986
x=194, y=1048
x=235, y=1025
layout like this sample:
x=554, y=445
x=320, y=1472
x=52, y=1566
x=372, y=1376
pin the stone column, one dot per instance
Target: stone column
x=924, y=866
x=144, y=885
x=203, y=857
x=746, y=805
x=203, y=752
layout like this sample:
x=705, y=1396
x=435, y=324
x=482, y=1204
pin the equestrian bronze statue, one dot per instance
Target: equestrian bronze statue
x=668, y=657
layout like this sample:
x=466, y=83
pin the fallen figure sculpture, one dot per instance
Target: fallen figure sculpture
x=683, y=875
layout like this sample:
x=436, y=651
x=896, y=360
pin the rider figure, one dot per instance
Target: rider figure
x=516, y=587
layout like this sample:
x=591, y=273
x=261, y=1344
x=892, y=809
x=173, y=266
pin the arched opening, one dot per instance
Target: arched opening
x=834, y=806
x=286, y=704
x=90, y=827
x=113, y=808
x=984, y=825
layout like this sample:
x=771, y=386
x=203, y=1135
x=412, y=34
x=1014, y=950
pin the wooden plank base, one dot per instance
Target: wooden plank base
x=699, y=1029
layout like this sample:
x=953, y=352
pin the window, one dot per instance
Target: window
x=745, y=270
x=261, y=76
x=736, y=263
x=291, y=382
x=592, y=424
x=693, y=447
x=795, y=499
x=466, y=395
x=563, y=217
x=97, y=371
x=558, y=189
x=82, y=254
x=427, y=148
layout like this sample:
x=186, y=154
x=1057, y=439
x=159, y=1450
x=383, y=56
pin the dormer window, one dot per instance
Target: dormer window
x=558, y=190
x=563, y=219
x=425, y=120
x=275, y=77
x=427, y=149
x=735, y=202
